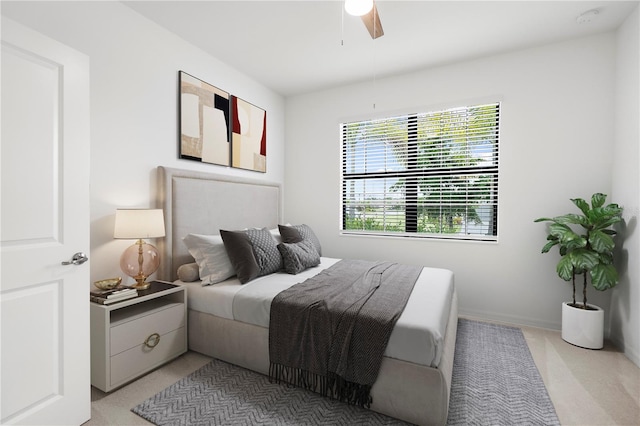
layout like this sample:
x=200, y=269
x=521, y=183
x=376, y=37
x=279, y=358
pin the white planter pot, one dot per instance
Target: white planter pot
x=584, y=328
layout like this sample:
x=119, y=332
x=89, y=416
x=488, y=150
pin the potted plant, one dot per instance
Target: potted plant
x=585, y=242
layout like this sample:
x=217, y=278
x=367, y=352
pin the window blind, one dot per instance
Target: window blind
x=423, y=174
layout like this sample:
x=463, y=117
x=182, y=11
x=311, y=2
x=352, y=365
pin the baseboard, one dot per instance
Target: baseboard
x=509, y=319
x=629, y=352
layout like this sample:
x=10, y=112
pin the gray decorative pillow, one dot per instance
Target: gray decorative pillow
x=253, y=253
x=298, y=256
x=297, y=233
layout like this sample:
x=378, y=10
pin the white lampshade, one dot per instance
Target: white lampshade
x=136, y=224
x=358, y=7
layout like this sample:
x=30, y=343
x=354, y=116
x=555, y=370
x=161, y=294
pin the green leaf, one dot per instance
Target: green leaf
x=598, y=199
x=576, y=219
x=604, y=277
x=604, y=227
x=616, y=212
x=582, y=205
x=567, y=236
x=614, y=209
x=543, y=219
x=601, y=242
x=601, y=215
x=583, y=259
x=606, y=258
x=576, y=243
x=548, y=246
x=565, y=268
x=558, y=230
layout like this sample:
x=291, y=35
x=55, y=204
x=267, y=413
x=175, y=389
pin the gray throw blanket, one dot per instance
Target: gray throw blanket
x=329, y=333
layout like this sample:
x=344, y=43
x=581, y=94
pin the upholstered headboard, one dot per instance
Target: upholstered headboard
x=203, y=203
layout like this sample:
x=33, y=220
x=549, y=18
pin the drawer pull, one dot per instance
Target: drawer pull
x=152, y=341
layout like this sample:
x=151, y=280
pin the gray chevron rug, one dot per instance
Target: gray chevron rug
x=495, y=382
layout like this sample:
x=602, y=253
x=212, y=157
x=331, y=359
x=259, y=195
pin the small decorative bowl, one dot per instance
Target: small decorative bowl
x=108, y=284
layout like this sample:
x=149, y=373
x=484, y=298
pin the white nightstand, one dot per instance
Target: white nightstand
x=132, y=337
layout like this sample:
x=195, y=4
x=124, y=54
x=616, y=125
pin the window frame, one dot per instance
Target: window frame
x=412, y=215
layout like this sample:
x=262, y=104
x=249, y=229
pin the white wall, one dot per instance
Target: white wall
x=556, y=140
x=624, y=312
x=134, y=87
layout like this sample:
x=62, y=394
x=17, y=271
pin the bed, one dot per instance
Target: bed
x=414, y=381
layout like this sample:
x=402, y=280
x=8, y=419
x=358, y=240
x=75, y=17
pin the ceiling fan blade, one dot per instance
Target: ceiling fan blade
x=372, y=22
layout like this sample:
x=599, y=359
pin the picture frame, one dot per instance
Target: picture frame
x=219, y=128
x=205, y=130
x=248, y=136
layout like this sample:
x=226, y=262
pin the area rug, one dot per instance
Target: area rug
x=495, y=382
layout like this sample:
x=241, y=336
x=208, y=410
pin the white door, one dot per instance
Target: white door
x=45, y=361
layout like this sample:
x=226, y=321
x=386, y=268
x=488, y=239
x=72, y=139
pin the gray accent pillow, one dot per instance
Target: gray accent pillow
x=298, y=256
x=253, y=253
x=297, y=233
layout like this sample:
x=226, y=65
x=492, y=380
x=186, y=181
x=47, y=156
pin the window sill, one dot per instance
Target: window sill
x=424, y=237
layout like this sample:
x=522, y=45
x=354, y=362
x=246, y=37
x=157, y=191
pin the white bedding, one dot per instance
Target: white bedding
x=417, y=336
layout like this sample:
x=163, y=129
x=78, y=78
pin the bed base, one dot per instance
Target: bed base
x=403, y=390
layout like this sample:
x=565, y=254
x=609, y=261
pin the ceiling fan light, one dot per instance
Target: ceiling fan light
x=358, y=7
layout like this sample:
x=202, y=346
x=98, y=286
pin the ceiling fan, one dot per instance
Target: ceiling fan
x=368, y=12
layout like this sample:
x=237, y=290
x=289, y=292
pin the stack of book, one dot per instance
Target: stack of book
x=118, y=294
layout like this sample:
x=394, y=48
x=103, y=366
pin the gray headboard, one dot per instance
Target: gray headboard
x=203, y=203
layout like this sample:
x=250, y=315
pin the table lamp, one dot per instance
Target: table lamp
x=141, y=259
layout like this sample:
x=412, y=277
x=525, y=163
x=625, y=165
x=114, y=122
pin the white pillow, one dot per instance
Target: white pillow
x=276, y=234
x=211, y=257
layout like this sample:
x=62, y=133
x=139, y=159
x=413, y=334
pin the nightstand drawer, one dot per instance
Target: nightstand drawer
x=141, y=358
x=132, y=334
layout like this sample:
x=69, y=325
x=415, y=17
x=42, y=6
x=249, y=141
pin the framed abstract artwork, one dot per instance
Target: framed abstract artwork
x=248, y=136
x=205, y=131
x=219, y=128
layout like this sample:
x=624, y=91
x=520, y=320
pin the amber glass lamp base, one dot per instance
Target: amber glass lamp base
x=139, y=261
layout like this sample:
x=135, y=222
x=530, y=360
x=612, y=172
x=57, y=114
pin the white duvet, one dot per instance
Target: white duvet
x=417, y=336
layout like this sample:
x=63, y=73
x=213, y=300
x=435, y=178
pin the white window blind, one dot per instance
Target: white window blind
x=423, y=174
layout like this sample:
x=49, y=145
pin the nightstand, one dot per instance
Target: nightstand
x=132, y=337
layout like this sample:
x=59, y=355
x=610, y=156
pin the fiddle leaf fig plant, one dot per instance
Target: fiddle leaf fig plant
x=585, y=243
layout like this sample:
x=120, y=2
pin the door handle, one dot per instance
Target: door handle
x=77, y=259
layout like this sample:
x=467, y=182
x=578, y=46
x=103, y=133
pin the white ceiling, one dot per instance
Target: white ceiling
x=301, y=46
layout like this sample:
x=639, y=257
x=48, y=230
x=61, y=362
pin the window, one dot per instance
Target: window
x=431, y=174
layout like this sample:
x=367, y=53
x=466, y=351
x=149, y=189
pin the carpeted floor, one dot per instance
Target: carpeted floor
x=495, y=381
